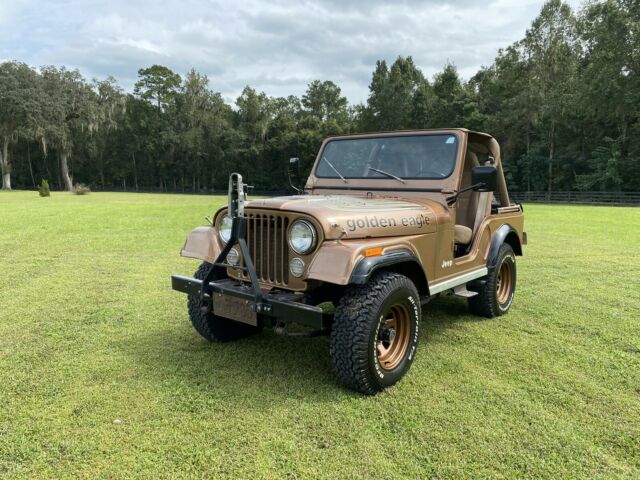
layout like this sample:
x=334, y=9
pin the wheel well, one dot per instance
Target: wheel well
x=513, y=240
x=411, y=270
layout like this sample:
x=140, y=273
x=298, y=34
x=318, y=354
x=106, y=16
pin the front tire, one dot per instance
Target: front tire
x=496, y=296
x=213, y=327
x=375, y=333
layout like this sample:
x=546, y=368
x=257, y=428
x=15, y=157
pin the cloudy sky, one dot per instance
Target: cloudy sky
x=276, y=46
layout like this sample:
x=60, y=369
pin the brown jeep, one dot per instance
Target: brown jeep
x=386, y=222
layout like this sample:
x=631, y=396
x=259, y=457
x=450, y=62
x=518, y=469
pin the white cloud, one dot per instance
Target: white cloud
x=278, y=47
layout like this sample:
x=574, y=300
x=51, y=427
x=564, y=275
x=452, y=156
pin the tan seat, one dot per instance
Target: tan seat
x=462, y=235
x=472, y=207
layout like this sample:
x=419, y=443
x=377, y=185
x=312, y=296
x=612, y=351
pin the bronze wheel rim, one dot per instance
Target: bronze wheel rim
x=393, y=337
x=504, y=282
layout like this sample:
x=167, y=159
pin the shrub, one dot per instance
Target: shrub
x=81, y=189
x=43, y=189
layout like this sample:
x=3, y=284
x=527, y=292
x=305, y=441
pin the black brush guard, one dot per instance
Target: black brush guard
x=268, y=307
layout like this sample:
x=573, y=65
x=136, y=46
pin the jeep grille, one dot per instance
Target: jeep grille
x=267, y=242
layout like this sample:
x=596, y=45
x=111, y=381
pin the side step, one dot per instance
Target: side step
x=461, y=291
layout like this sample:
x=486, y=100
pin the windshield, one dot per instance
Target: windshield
x=401, y=157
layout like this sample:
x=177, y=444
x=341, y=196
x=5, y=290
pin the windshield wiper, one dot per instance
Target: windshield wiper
x=335, y=169
x=391, y=175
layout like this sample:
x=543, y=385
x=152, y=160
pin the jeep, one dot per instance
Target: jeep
x=385, y=223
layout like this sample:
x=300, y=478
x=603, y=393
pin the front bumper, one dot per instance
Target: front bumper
x=236, y=300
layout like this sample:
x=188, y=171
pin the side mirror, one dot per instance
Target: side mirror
x=294, y=172
x=484, y=178
x=294, y=167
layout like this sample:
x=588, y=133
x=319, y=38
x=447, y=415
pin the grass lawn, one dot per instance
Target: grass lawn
x=102, y=375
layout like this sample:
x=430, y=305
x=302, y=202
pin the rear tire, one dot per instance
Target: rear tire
x=496, y=296
x=375, y=333
x=210, y=326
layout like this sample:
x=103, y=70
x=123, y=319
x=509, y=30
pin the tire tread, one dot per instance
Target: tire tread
x=351, y=329
x=485, y=304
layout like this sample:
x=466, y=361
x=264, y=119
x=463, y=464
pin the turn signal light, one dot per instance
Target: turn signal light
x=373, y=252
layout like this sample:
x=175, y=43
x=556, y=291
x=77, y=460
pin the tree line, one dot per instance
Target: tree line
x=564, y=103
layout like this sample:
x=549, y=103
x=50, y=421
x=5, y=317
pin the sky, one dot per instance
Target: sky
x=275, y=46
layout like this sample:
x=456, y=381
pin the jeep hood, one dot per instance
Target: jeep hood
x=351, y=217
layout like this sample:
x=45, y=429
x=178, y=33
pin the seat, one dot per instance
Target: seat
x=462, y=235
x=472, y=207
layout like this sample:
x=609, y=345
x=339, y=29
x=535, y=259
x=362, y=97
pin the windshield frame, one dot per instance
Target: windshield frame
x=409, y=134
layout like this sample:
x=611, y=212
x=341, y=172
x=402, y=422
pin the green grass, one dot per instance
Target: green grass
x=102, y=376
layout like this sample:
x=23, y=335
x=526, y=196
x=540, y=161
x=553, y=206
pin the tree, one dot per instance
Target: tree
x=324, y=101
x=447, y=109
x=564, y=103
x=157, y=83
x=552, y=47
x=69, y=111
x=506, y=99
x=109, y=109
x=605, y=164
x=19, y=110
x=253, y=118
x=391, y=102
x=254, y=114
x=139, y=142
x=610, y=85
x=202, y=122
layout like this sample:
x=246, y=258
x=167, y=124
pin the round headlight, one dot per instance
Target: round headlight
x=233, y=257
x=296, y=267
x=225, y=228
x=302, y=237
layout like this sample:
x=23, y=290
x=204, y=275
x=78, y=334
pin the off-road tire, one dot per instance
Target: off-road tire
x=357, y=324
x=210, y=326
x=492, y=300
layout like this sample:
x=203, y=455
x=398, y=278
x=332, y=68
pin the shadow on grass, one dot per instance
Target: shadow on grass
x=444, y=313
x=265, y=368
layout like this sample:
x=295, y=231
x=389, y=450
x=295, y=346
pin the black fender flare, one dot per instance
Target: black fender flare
x=506, y=233
x=368, y=265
